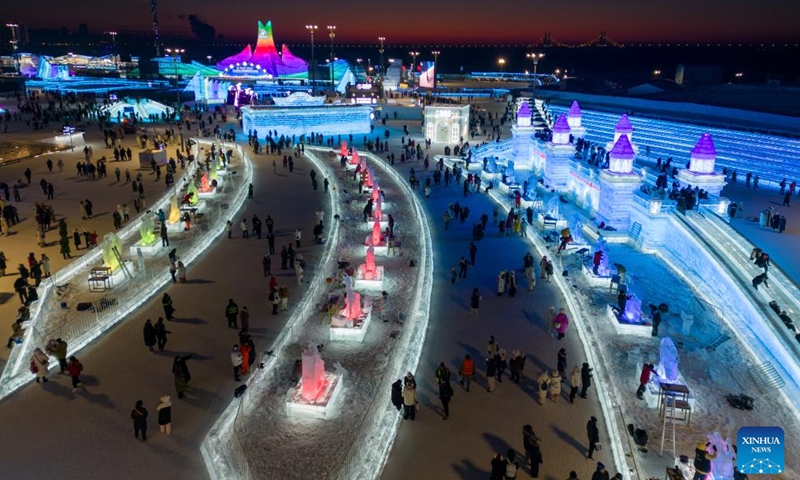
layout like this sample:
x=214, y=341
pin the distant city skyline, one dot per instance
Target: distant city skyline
x=444, y=21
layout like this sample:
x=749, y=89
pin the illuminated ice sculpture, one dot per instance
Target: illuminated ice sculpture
x=558, y=155
x=327, y=120
x=617, y=186
x=369, y=275
x=148, y=243
x=668, y=361
x=351, y=322
x=174, y=211
x=377, y=240
x=574, y=119
x=701, y=172
x=194, y=198
x=722, y=466
x=317, y=389
x=112, y=246
x=446, y=125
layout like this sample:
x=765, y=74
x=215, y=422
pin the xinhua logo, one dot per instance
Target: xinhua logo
x=760, y=450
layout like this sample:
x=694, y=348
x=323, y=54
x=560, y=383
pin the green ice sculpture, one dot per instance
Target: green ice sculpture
x=193, y=190
x=111, y=241
x=214, y=168
x=146, y=230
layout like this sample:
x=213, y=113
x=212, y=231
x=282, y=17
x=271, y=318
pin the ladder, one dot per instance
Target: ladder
x=669, y=417
x=121, y=262
x=636, y=230
x=718, y=342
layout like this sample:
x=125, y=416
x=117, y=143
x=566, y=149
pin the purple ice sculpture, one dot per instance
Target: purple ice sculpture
x=668, y=361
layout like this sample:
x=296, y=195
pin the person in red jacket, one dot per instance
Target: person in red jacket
x=644, y=378
x=598, y=255
x=74, y=368
x=467, y=371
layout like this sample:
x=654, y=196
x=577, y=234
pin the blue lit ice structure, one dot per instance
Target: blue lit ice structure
x=558, y=153
x=574, y=116
x=617, y=185
x=303, y=120
x=701, y=172
x=140, y=108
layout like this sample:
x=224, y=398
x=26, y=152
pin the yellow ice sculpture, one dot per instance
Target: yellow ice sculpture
x=111, y=241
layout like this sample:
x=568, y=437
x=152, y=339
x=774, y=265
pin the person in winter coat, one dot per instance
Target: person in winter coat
x=586, y=379
x=498, y=468
x=181, y=272
x=165, y=415
x=409, y=403
x=244, y=317
x=236, y=360
x=593, y=435
x=397, y=394
x=574, y=383
x=181, y=375
x=533, y=450
x=544, y=384
x=161, y=333
x=409, y=381
x=232, y=313
x=61, y=354
x=555, y=386
x=560, y=323
x=562, y=363
x=501, y=283
x=244, y=349
x=149, y=335
x=600, y=473
x=74, y=368
x=445, y=394
x=516, y=366
x=702, y=461
x=275, y=300
x=491, y=348
x=466, y=372
x=139, y=417
x=166, y=303
x=442, y=374
x=644, y=378
x=40, y=361
x=512, y=284
x=491, y=373
x=283, y=295
x=474, y=302
x=501, y=364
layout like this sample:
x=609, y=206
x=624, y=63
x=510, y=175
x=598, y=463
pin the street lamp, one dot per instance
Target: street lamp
x=414, y=56
x=535, y=57
x=208, y=57
x=311, y=29
x=436, y=54
x=114, y=43
x=380, y=50
x=176, y=52
x=656, y=73
x=332, y=34
x=502, y=63
x=14, y=45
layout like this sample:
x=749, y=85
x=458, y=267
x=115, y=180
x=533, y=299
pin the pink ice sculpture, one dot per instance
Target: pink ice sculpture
x=370, y=269
x=352, y=301
x=354, y=160
x=343, y=149
x=376, y=193
x=205, y=187
x=376, y=214
x=376, y=233
x=313, y=373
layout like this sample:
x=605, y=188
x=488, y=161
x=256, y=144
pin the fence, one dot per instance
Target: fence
x=49, y=320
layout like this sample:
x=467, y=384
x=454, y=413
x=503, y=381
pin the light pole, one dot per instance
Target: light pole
x=208, y=57
x=14, y=45
x=436, y=54
x=311, y=29
x=176, y=52
x=535, y=57
x=332, y=34
x=414, y=56
x=380, y=50
x=502, y=63
x=114, y=44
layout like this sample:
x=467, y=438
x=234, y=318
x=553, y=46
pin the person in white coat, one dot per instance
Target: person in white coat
x=236, y=360
x=555, y=385
x=40, y=360
x=543, y=383
x=298, y=270
x=574, y=383
x=409, y=403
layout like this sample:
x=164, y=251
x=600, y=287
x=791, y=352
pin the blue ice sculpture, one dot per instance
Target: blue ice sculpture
x=668, y=361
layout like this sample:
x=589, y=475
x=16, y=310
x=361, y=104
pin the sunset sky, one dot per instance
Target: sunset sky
x=447, y=21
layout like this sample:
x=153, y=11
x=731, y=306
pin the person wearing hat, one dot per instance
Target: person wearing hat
x=600, y=473
x=702, y=460
x=594, y=437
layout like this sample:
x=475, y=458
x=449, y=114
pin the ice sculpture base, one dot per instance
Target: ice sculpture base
x=621, y=327
x=321, y=407
x=147, y=250
x=551, y=223
x=384, y=223
x=595, y=280
x=381, y=248
x=350, y=330
x=208, y=194
x=176, y=227
x=118, y=277
x=363, y=283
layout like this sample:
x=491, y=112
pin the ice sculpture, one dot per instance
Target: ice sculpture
x=343, y=149
x=369, y=269
x=623, y=127
x=621, y=156
x=668, y=361
x=524, y=115
x=552, y=207
x=511, y=178
x=194, y=198
x=704, y=154
x=205, y=186
x=370, y=177
x=313, y=373
x=530, y=188
x=147, y=230
x=174, y=212
x=633, y=310
x=354, y=160
x=491, y=166
x=377, y=214
x=376, y=233
x=215, y=167
x=376, y=192
x=576, y=229
x=574, y=115
x=111, y=242
x=352, y=300
x=722, y=466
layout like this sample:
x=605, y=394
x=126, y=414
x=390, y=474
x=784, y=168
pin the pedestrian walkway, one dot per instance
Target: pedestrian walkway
x=119, y=369
x=482, y=424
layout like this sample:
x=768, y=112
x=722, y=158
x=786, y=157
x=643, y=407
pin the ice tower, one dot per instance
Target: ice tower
x=558, y=152
x=574, y=119
x=701, y=168
x=523, y=140
x=617, y=184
